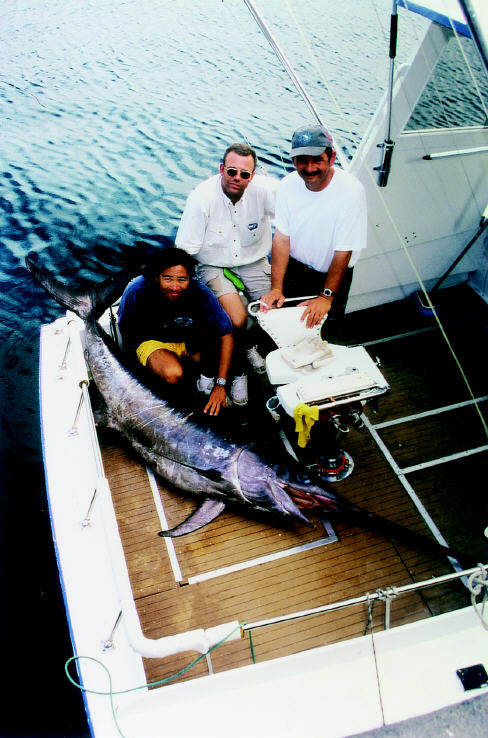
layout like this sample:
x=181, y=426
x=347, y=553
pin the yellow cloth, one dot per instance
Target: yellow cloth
x=146, y=348
x=304, y=416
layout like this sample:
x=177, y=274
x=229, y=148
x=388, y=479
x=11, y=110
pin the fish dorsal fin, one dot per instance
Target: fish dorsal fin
x=208, y=511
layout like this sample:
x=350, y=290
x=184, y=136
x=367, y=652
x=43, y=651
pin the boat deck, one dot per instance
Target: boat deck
x=421, y=461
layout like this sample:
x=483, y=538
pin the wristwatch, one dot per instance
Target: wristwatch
x=328, y=293
x=221, y=381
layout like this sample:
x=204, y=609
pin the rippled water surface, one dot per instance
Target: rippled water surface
x=110, y=112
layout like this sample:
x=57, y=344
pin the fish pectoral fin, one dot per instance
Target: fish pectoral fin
x=208, y=511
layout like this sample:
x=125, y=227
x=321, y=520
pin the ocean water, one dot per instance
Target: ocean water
x=110, y=112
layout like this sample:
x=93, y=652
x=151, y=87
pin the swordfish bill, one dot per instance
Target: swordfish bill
x=190, y=456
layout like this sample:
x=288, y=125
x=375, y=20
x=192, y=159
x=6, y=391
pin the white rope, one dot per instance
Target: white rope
x=478, y=584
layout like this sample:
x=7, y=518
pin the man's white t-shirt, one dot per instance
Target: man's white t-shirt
x=219, y=232
x=319, y=223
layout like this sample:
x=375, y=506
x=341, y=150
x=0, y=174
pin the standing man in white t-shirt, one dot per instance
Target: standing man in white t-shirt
x=226, y=225
x=321, y=219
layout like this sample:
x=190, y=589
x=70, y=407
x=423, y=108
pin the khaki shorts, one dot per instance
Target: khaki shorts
x=146, y=348
x=256, y=277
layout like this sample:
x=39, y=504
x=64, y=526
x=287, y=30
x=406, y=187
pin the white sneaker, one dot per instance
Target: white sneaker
x=256, y=360
x=238, y=390
x=205, y=384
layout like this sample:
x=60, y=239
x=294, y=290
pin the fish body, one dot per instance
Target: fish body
x=190, y=456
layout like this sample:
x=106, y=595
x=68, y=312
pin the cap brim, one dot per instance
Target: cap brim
x=307, y=151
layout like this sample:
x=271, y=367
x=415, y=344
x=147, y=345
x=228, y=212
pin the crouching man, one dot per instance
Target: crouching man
x=172, y=321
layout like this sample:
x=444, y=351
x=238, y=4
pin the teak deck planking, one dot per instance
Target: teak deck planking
x=423, y=377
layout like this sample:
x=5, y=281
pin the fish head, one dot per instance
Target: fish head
x=306, y=493
x=262, y=489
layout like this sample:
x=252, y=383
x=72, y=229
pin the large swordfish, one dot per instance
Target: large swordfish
x=188, y=455
x=192, y=457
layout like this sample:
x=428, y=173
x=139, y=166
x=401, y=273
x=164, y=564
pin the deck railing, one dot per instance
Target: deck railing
x=475, y=579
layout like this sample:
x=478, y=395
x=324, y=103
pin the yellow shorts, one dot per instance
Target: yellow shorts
x=146, y=348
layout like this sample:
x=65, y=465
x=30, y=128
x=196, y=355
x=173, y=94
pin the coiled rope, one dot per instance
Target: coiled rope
x=477, y=585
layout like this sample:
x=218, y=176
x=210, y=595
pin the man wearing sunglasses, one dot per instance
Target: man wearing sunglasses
x=226, y=226
x=321, y=221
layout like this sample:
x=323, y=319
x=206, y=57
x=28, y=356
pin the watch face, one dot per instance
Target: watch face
x=221, y=382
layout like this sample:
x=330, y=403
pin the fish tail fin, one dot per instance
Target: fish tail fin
x=86, y=303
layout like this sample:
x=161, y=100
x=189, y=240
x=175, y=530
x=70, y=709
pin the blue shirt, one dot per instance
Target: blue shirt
x=146, y=315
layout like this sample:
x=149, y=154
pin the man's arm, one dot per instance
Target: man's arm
x=192, y=227
x=132, y=316
x=318, y=307
x=280, y=256
x=218, y=395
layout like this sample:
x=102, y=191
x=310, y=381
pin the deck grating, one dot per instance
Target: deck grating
x=423, y=376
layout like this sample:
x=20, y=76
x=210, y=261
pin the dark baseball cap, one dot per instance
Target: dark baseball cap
x=310, y=141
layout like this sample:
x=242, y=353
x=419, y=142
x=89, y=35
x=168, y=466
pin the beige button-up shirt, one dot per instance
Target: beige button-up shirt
x=219, y=232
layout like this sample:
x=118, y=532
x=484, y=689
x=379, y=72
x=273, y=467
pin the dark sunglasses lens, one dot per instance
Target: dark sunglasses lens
x=231, y=171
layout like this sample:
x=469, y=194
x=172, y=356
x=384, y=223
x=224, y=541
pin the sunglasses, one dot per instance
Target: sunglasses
x=243, y=173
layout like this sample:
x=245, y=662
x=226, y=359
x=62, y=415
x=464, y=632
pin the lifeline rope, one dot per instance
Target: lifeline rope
x=111, y=692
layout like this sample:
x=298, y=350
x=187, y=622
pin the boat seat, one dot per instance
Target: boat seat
x=307, y=369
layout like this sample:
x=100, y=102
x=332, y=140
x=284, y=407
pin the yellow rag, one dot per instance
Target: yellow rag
x=304, y=416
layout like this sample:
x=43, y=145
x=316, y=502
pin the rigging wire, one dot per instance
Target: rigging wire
x=391, y=218
x=370, y=625
x=468, y=66
x=474, y=24
x=439, y=95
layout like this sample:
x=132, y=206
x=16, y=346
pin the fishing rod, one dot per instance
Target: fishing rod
x=274, y=45
x=286, y=64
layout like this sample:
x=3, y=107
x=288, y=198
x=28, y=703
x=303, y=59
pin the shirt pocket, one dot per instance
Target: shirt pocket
x=252, y=233
x=216, y=236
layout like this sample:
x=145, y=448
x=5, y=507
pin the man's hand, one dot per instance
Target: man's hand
x=217, y=400
x=270, y=298
x=315, y=309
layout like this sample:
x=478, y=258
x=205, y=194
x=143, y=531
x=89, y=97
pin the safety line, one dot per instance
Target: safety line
x=331, y=538
x=175, y=566
x=395, y=337
x=430, y=413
